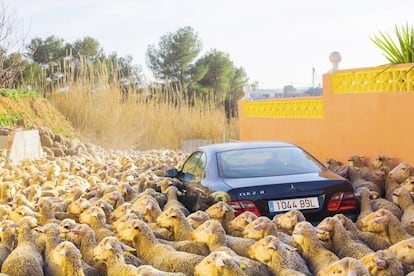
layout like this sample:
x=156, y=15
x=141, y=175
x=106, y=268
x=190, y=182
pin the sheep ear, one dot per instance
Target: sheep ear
x=197, y=218
x=381, y=264
x=220, y=262
x=381, y=219
x=271, y=245
x=258, y=227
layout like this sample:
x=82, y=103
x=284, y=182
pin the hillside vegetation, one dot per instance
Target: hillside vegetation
x=35, y=111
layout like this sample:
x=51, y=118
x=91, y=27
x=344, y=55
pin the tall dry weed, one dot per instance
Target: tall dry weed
x=94, y=103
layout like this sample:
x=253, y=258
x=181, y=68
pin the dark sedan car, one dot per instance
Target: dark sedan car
x=267, y=178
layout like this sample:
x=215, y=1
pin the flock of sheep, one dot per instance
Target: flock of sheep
x=100, y=212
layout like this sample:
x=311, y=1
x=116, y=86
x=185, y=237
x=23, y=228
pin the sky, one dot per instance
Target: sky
x=277, y=42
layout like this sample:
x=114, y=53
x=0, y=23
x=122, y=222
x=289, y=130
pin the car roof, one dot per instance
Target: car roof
x=244, y=145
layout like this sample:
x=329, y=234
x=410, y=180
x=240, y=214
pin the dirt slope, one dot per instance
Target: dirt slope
x=36, y=112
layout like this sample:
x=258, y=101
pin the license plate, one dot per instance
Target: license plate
x=293, y=204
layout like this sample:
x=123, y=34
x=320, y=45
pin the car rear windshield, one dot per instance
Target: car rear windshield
x=262, y=162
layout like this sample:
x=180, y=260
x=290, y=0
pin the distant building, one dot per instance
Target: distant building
x=289, y=91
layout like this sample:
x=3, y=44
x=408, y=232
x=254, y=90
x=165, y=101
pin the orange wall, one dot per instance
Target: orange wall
x=367, y=124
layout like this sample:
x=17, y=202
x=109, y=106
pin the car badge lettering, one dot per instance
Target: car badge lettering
x=252, y=193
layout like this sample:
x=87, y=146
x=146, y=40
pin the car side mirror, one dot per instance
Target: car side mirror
x=173, y=173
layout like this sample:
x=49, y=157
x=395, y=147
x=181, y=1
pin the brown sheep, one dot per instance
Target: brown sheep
x=403, y=198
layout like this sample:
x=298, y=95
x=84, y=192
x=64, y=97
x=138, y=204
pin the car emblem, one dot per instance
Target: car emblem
x=293, y=188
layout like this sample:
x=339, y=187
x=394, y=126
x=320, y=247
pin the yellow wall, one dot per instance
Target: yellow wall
x=365, y=111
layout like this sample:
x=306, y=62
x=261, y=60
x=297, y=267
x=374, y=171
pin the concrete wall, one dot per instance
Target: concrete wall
x=362, y=111
x=22, y=144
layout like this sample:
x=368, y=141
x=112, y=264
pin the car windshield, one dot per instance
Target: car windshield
x=262, y=162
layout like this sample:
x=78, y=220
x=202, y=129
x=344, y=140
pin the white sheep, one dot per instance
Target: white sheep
x=213, y=234
x=161, y=256
x=286, y=222
x=383, y=223
x=237, y=224
x=279, y=256
x=343, y=245
x=110, y=251
x=311, y=248
x=382, y=262
x=344, y=267
x=220, y=263
x=25, y=259
x=68, y=257
x=403, y=198
x=404, y=251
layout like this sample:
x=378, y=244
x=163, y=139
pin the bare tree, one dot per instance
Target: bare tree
x=11, y=64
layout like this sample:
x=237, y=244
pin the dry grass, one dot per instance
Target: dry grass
x=96, y=109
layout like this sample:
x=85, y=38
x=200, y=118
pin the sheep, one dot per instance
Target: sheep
x=120, y=211
x=219, y=263
x=408, y=184
x=221, y=212
x=213, y=234
x=68, y=258
x=106, y=207
x=400, y=172
x=114, y=198
x=342, y=244
x=25, y=259
x=263, y=226
x=403, y=198
x=382, y=203
x=84, y=239
x=197, y=218
x=316, y=255
x=371, y=239
x=161, y=256
x=358, y=161
x=21, y=212
x=109, y=251
x=278, y=255
x=237, y=224
x=147, y=207
x=47, y=214
x=286, y=222
x=7, y=239
x=365, y=202
x=172, y=193
x=147, y=270
x=404, y=251
x=51, y=231
x=344, y=267
x=175, y=220
x=78, y=206
x=95, y=217
x=385, y=225
x=358, y=181
x=382, y=262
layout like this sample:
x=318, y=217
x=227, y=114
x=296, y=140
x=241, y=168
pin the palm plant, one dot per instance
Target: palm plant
x=399, y=51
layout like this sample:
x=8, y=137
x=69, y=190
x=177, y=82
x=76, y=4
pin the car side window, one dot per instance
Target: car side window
x=195, y=165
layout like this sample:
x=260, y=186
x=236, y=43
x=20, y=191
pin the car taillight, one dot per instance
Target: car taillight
x=342, y=201
x=240, y=206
